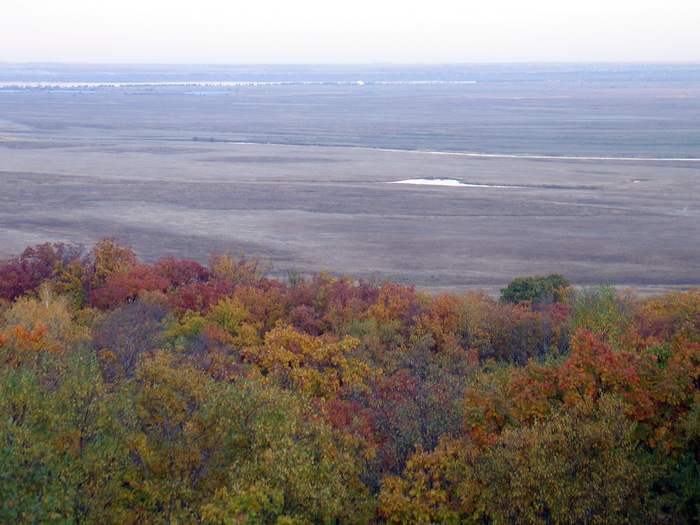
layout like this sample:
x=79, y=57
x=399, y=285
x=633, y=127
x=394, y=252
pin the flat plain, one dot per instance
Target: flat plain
x=603, y=176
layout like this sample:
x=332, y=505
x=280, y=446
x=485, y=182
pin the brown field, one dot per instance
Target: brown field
x=312, y=192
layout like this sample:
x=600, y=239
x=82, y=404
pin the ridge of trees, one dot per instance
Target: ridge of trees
x=179, y=392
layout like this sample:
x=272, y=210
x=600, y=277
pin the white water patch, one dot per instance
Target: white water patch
x=452, y=182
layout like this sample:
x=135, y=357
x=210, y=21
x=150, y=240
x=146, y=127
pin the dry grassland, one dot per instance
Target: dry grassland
x=312, y=194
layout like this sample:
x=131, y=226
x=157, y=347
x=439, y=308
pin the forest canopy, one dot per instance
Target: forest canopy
x=190, y=393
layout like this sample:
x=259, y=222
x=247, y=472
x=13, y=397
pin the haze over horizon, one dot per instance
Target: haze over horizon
x=312, y=31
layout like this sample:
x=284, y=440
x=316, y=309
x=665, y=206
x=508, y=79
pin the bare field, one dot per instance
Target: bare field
x=299, y=176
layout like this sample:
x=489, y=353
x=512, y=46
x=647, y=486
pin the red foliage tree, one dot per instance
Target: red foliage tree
x=180, y=271
x=199, y=296
x=35, y=265
x=124, y=286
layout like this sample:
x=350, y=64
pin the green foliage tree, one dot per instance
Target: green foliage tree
x=580, y=466
x=60, y=456
x=606, y=313
x=537, y=289
x=245, y=452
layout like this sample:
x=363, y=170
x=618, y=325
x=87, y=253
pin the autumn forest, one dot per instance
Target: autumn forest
x=178, y=392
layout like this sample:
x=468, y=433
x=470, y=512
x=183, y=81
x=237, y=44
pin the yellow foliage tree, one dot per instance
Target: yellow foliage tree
x=110, y=256
x=580, y=466
x=34, y=329
x=315, y=366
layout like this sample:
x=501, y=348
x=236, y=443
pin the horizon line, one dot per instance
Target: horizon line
x=380, y=63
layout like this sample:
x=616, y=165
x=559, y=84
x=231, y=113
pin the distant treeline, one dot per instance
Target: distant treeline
x=191, y=73
x=178, y=392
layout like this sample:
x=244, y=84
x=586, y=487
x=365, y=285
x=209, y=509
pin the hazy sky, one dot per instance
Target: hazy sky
x=348, y=31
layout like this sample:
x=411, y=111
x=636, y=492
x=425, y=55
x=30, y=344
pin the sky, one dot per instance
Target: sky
x=343, y=31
